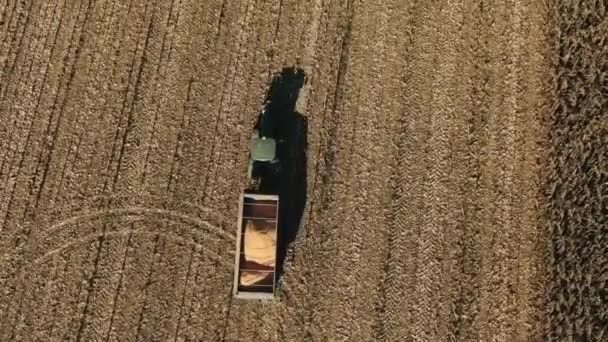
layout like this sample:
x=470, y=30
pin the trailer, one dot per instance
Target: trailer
x=256, y=247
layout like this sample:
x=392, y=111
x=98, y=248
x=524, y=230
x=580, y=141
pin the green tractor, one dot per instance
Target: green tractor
x=263, y=160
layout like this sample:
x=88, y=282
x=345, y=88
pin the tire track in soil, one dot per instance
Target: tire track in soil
x=183, y=295
x=13, y=104
x=91, y=283
x=463, y=172
x=40, y=314
x=452, y=108
x=502, y=263
x=3, y=11
x=105, y=277
x=158, y=318
x=536, y=25
x=510, y=124
x=431, y=231
x=276, y=31
x=141, y=110
x=177, y=159
x=70, y=295
x=494, y=252
x=186, y=109
x=208, y=302
x=29, y=302
x=370, y=140
x=5, y=25
x=28, y=309
x=136, y=63
x=285, y=47
x=309, y=46
x=233, y=43
x=408, y=184
x=51, y=247
x=141, y=262
x=415, y=82
x=130, y=152
x=319, y=61
x=189, y=297
x=120, y=286
x=475, y=255
x=387, y=323
x=495, y=296
x=141, y=142
x=466, y=324
x=27, y=140
x=71, y=287
x=56, y=294
x=249, y=104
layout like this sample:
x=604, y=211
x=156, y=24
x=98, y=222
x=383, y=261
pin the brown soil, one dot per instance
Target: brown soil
x=124, y=131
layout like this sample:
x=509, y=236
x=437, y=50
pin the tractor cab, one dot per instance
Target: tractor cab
x=263, y=149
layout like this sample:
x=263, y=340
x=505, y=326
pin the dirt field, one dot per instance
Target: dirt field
x=124, y=133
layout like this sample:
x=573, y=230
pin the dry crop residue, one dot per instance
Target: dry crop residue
x=124, y=130
x=577, y=189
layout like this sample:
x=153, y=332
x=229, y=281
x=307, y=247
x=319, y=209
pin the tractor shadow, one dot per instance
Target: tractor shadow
x=291, y=131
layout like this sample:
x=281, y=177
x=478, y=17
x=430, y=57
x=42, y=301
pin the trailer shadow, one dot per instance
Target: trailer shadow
x=290, y=128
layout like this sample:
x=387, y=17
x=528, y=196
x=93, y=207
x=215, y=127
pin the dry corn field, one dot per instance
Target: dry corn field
x=456, y=174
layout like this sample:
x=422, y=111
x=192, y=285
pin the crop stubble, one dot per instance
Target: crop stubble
x=577, y=188
x=124, y=134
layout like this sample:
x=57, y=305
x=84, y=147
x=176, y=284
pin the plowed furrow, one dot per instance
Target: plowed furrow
x=112, y=177
x=58, y=108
